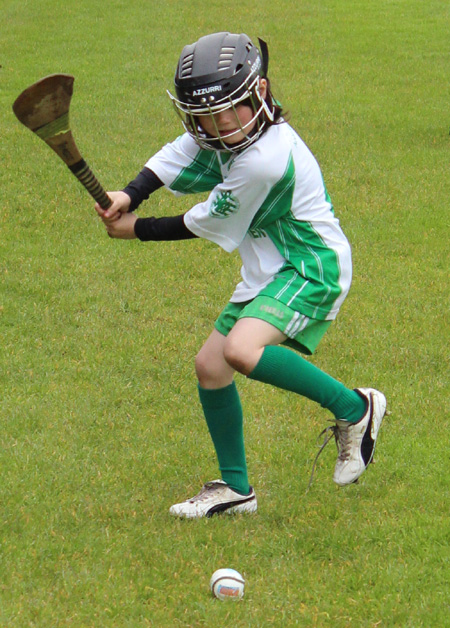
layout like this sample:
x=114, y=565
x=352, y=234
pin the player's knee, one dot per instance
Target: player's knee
x=209, y=370
x=238, y=355
x=202, y=366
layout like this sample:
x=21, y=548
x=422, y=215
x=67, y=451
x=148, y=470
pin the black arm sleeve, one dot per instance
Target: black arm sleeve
x=141, y=187
x=166, y=228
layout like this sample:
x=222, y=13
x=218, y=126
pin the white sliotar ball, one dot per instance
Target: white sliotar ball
x=227, y=584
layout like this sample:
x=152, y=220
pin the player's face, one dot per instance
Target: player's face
x=232, y=125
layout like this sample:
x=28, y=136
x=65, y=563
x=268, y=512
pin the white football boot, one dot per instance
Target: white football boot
x=356, y=441
x=215, y=497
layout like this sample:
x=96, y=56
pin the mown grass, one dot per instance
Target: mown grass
x=101, y=428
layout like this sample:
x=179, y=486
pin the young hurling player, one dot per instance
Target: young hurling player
x=268, y=200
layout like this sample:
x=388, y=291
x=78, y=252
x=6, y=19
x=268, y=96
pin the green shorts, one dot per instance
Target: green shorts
x=303, y=333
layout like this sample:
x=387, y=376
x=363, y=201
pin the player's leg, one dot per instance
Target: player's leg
x=250, y=350
x=223, y=413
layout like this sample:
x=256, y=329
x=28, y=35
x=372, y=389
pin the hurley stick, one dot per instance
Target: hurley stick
x=44, y=108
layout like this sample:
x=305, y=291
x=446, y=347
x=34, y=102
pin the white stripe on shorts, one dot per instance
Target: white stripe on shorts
x=297, y=323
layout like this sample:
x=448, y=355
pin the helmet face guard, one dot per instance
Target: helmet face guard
x=217, y=73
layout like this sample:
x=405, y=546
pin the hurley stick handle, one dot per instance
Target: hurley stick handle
x=85, y=175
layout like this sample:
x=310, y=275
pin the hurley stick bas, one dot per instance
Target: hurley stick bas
x=44, y=108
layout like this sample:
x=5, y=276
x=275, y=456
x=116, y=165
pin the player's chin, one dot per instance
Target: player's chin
x=232, y=138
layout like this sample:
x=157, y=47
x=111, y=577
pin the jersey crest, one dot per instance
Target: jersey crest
x=223, y=205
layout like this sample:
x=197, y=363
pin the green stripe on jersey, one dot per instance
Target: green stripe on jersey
x=309, y=280
x=278, y=201
x=202, y=175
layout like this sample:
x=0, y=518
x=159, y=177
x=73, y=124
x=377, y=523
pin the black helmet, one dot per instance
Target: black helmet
x=216, y=73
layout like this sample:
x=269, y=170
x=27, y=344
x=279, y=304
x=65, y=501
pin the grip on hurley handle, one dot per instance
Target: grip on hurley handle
x=85, y=175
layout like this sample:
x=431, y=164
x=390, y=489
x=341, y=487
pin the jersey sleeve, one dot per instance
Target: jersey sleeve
x=185, y=168
x=225, y=217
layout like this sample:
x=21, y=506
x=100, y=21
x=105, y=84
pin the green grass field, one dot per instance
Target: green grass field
x=101, y=429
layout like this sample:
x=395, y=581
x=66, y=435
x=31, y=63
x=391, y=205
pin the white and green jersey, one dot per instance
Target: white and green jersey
x=270, y=203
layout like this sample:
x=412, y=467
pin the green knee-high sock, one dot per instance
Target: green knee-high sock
x=223, y=413
x=288, y=370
